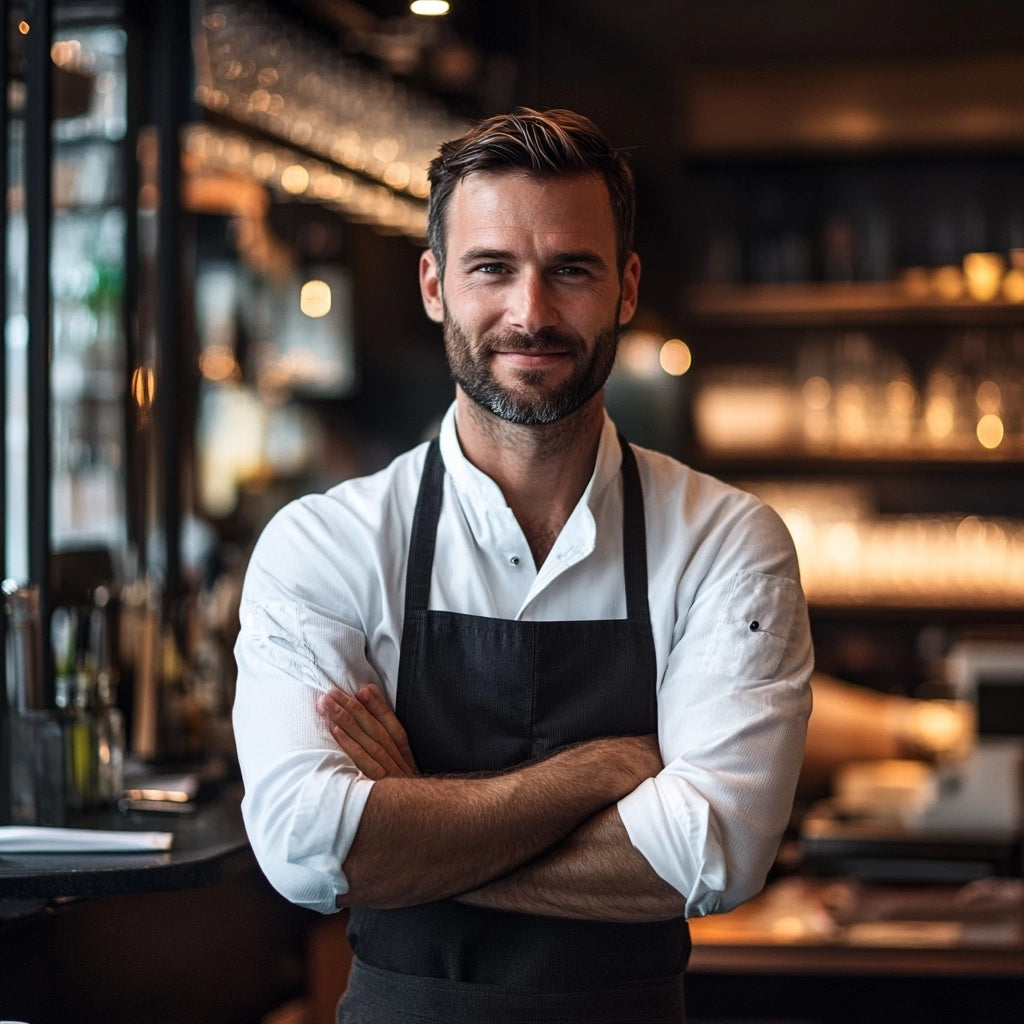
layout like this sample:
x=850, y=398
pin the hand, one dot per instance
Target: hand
x=366, y=728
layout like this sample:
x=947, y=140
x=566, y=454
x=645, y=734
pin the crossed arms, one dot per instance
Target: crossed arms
x=544, y=838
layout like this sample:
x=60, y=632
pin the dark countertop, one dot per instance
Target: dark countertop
x=814, y=925
x=209, y=846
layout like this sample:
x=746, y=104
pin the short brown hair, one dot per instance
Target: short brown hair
x=551, y=143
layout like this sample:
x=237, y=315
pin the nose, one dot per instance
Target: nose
x=531, y=305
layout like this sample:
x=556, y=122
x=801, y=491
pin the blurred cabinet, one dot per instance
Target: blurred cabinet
x=88, y=273
x=85, y=385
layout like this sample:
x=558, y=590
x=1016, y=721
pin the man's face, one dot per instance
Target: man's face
x=531, y=301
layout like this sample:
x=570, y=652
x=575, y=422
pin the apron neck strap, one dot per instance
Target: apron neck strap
x=634, y=537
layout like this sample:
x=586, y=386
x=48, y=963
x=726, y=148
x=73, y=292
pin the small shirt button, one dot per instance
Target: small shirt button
x=513, y=560
x=755, y=626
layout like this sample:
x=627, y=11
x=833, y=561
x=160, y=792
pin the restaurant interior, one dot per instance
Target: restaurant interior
x=213, y=216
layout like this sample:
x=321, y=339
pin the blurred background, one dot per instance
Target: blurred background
x=214, y=212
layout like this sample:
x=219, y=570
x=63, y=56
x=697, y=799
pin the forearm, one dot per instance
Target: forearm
x=594, y=874
x=422, y=839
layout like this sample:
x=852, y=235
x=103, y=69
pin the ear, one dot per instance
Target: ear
x=630, y=288
x=430, y=287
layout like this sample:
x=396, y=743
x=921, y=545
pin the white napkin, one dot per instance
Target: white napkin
x=40, y=839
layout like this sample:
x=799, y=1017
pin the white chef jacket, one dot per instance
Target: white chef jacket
x=322, y=606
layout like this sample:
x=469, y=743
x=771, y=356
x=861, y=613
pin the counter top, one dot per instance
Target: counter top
x=857, y=927
x=208, y=846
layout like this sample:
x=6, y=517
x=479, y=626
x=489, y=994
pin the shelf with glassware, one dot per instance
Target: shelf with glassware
x=894, y=454
x=899, y=482
x=857, y=330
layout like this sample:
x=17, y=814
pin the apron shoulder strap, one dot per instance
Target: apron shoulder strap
x=634, y=537
x=424, y=532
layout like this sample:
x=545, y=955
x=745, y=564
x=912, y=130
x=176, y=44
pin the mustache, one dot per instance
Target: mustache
x=545, y=340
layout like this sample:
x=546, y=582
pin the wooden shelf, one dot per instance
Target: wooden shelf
x=815, y=304
x=794, y=461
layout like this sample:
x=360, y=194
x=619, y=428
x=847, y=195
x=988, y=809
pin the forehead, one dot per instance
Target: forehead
x=505, y=208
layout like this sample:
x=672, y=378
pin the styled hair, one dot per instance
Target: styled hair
x=547, y=144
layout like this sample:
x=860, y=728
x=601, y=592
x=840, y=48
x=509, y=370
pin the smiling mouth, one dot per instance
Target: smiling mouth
x=531, y=358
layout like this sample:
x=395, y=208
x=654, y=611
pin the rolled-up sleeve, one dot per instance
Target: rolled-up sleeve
x=732, y=715
x=303, y=796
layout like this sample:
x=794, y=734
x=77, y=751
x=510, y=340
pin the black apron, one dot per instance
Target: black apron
x=481, y=694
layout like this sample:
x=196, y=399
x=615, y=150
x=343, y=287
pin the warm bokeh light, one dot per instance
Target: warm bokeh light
x=218, y=364
x=1013, y=285
x=948, y=282
x=638, y=353
x=397, y=175
x=939, y=417
x=990, y=431
x=143, y=387
x=817, y=392
x=315, y=298
x=67, y=53
x=983, y=274
x=295, y=179
x=988, y=396
x=386, y=149
x=675, y=357
x=263, y=165
x=901, y=396
x=24, y=28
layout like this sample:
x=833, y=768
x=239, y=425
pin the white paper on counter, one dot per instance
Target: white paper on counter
x=41, y=839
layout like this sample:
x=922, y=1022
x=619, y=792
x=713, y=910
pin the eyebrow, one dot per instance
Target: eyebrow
x=586, y=257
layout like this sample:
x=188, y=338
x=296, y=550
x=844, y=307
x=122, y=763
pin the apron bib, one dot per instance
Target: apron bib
x=478, y=694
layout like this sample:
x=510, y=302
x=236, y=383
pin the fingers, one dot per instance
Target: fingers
x=370, y=697
x=357, y=733
x=362, y=736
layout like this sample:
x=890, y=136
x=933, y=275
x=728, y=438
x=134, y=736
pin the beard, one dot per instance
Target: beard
x=529, y=401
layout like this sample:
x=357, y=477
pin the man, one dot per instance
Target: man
x=597, y=658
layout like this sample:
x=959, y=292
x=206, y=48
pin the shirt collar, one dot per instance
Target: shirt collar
x=478, y=486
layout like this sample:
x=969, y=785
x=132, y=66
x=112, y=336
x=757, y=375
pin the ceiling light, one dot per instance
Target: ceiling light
x=429, y=8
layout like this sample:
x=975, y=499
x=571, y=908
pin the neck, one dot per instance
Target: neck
x=542, y=470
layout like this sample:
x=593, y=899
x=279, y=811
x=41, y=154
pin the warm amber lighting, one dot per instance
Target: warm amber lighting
x=817, y=392
x=315, y=298
x=789, y=927
x=397, y=175
x=901, y=396
x=66, y=54
x=333, y=186
x=948, y=282
x=385, y=150
x=429, y=8
x=143, y=387
x=24, y=28
x=638, y=353
x=983, y=274
x=990, y=431
x=264, y=165
x=916, y=283
x=218, y=364
x=938, y=725
x=988, y=396
x=675, y=357
x=295, y=179
x=1013, y=285
x=939, y=417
